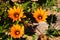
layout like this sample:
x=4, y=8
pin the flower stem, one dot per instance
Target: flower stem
x=17, y=22
x=11, y=38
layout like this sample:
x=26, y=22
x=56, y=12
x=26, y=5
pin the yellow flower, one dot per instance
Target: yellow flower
x=17, y=31
x=40, y=15
x=16, y=13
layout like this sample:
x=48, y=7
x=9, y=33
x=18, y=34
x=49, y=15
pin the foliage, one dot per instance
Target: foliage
x=29, y=7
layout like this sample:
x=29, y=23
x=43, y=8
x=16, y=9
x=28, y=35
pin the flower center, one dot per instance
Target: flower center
x=39, y=17
x=17, y=32
x=16, y=15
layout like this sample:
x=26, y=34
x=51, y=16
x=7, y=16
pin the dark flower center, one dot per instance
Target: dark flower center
x=17, y=32
x=16, y=15
x=39, y=17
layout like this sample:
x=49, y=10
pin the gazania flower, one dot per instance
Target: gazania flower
x=17, y=31
x=40, y=15
x=16, y=13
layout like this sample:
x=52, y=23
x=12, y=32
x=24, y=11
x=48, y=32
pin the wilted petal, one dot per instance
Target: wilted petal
x=58, y=16
x=42, y=27
x=34, y=0
x=14, y=0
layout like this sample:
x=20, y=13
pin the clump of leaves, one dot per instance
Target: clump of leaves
x=51, y=19
x=52, y=32
x=49, y=3
x=58, y=9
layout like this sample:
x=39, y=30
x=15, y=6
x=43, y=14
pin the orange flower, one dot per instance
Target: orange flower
x=40, y=15
x=16, y=13
x=17, y=31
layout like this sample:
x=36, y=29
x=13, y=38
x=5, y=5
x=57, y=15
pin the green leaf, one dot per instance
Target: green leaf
x=1, y=13
x=6, y=25
x=34, y=37
x=25, y=5
x=34, y=5
x=0, y=29
x=58, y=9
